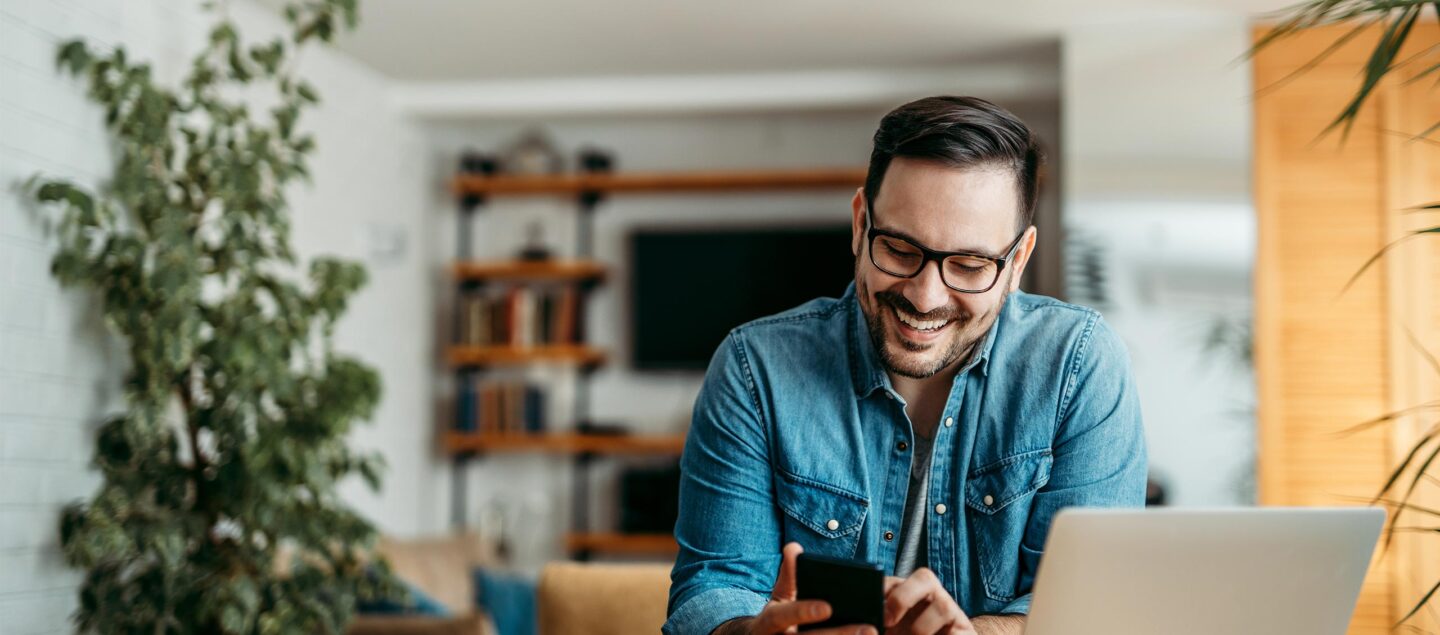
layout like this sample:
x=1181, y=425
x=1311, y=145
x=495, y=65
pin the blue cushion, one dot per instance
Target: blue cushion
x=509, y=599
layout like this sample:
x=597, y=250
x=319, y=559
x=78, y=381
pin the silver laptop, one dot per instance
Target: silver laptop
x=1272, y=571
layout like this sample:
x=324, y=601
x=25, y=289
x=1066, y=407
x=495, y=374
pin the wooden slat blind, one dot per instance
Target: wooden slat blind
x=1326, y=360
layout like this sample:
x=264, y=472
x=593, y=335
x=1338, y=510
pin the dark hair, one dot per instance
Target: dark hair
x=958, y=132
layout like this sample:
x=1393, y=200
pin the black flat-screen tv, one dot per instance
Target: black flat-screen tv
x=690, y=286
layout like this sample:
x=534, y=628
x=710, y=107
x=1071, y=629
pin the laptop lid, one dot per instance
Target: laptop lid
x=1203, y=571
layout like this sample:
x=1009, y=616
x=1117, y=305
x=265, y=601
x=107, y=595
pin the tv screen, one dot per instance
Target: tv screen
x=690, y=286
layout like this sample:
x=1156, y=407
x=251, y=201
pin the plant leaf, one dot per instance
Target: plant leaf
x=1379, y=65
x=1415, y=341
x=1420, y=604
x=1321, y=57
x=1409, y=491
x=1425, y=439
x=1383, y=250
x=1403, y=506
x=1426, y=133
x=1389, y=416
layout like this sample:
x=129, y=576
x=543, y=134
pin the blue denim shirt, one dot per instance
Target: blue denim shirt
x=797, y=436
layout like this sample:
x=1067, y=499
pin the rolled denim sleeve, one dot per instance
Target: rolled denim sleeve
x=728, y=529
x=1018, y=606
x=1099, y=449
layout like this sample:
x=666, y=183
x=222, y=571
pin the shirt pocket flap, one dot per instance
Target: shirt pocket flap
x=828, y=510
x=990, y=488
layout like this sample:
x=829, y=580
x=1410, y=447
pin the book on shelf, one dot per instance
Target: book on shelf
x=519, y=316
x=491, y=406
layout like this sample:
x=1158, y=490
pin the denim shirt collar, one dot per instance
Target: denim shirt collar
x=866, y=372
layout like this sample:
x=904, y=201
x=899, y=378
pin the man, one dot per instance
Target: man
x=933, y=420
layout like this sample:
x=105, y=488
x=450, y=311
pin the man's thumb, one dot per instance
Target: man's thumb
x=785, y=582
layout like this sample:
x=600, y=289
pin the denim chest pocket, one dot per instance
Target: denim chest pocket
x=824, y=519
x=999, y=495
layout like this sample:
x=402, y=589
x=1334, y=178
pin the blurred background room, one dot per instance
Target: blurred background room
x=561, y=208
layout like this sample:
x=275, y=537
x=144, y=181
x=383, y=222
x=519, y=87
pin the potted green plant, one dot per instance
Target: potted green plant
x=218, y=511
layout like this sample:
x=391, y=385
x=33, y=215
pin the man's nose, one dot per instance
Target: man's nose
x=927, y=291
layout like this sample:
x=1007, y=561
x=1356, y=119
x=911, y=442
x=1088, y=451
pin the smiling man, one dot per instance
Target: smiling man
x=932, y=420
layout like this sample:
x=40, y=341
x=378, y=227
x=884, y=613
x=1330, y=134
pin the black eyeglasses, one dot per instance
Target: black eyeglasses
x=961, y=271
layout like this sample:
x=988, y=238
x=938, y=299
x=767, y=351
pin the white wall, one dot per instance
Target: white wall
x=60, y=370
x=1157, y=157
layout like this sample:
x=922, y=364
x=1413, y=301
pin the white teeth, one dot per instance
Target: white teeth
x=918, y=324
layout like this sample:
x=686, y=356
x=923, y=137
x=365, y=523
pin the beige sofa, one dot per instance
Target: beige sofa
x=441, y=568
x=593, y=599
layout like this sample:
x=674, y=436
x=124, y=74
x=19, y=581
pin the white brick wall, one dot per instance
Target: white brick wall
x=56, y=368
x=59, y=370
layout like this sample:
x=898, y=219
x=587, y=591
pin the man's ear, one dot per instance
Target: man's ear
x=1022, y=256
x=857, y=222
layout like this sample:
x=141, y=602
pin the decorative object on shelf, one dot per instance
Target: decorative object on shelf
x=594, y=160
x=476, y=163
x=532, y=153
x=535, y=248
x=217, y=509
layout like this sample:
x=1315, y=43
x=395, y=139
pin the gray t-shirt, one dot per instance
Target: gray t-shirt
x=912, y=553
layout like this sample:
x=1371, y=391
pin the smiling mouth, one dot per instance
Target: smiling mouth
x=914, y=322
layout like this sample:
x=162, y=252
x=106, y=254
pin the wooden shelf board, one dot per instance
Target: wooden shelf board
x=564, y=443
x=621, y=543
x=512, y=355
x=662, y=182
x=561, y=270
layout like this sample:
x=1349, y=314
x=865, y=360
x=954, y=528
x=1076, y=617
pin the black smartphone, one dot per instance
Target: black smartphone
x=854, y=589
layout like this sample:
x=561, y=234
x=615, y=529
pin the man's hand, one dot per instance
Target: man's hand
x=1000, y=624
x=919, y=604
x=784, y=614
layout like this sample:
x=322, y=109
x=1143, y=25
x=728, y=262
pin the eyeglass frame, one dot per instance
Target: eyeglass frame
x=928, y=254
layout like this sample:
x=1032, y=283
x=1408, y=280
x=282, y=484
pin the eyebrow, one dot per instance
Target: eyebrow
x=969, y=252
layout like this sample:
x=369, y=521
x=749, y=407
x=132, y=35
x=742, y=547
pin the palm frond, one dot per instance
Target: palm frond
x=1383, y=250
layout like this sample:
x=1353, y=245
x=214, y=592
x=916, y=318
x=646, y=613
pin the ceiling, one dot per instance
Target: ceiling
x=475, y=40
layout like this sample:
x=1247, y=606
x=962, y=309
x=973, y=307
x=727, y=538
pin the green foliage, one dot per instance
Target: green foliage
x=218, y=510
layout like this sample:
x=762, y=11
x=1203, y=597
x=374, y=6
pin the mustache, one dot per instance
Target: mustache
x=898, y=301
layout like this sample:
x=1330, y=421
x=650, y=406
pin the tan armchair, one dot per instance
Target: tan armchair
x=602, y=599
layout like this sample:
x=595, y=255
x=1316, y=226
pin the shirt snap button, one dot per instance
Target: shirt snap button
x=940, y=509
x=949, y=421
x=901, y=446
x=989, y=500
x=889, y=535
x=832, y=525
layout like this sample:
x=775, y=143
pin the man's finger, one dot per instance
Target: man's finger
x=778, y=616
x=920, y=586
x=785, y=582
x=940, y=614
x=905, y=625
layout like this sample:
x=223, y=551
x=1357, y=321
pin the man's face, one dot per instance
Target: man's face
x=919, y=325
